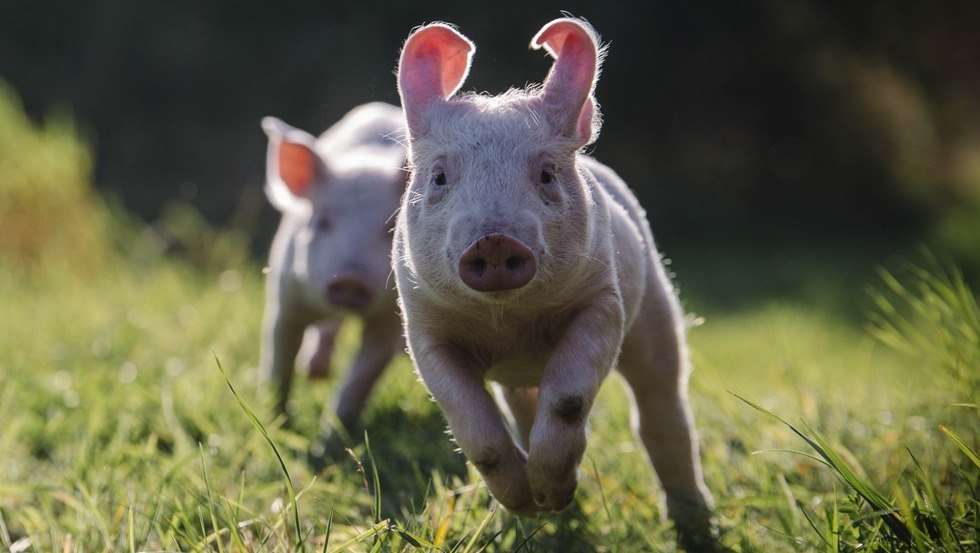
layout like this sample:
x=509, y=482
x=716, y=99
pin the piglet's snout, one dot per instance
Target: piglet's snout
x=496, y=262
x=349, y=293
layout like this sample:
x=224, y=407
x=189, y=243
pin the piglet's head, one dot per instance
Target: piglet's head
x=496, y=204
x=336, y=216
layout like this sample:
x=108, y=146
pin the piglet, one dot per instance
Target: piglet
x=522, y=261
x=330, y=258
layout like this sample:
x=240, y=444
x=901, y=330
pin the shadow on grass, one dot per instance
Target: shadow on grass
x=409, y=448
x=569, y=531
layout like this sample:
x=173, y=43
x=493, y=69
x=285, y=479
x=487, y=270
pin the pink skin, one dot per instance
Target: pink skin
x=507, y=172
x=330, y=259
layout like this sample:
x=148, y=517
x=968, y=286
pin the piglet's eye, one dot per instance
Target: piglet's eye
x=547, y=177
x=439, y=178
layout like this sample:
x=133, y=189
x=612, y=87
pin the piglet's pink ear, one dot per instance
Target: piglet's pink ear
x=567, y=92
x=292, y=165
x=433, y=65
x=296, y=167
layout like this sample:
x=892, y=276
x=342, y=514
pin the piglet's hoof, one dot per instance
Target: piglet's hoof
x=696, y=529
x=699, y=542
x=326, y=450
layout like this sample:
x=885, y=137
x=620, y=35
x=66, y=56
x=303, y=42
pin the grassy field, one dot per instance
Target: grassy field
x=119, y=431
x=130, y=419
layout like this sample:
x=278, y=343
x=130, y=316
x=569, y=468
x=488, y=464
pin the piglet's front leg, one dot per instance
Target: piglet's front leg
x=282, y=334
x=583, y=358
x=381, y=339
x=457, y=385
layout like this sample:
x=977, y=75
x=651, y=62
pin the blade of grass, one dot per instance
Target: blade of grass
x=375, y=478
x=4, y=532
x=132, y=531
x=970, y=453
x=946, y=528
x=370, y=532
x=326, y=535
x=813, y=525
x=442, y=529
x=238, y=540
x=93, y=510
x=207, y=488
x=792, y=521
x=414, y=540
x=300, y=545
x=602, y=493
x=809, y=456
x=527, y=540
x=877, y=501
x=479, y=531
x=833, y=527
x=905, y=507
x=489, y=542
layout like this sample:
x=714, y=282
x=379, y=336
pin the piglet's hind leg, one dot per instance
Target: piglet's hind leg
x=654, y=365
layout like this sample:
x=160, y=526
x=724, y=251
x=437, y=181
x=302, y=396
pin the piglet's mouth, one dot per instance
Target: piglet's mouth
x=495, y=263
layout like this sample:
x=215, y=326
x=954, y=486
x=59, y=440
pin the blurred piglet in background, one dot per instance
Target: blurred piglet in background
x=331, y=255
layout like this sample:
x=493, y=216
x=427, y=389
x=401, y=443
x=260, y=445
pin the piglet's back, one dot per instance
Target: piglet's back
x=372, y=127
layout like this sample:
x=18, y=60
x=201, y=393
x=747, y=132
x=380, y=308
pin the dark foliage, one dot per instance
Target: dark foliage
x=766, y=116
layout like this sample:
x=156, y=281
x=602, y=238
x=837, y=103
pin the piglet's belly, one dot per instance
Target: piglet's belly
x=522, y=371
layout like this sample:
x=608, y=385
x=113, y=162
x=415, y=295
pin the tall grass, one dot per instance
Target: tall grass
x=933, y=319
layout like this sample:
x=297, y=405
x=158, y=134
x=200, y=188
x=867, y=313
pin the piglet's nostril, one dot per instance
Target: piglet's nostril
x=496, y=262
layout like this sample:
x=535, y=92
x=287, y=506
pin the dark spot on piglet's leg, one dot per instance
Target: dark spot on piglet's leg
x=570, y=409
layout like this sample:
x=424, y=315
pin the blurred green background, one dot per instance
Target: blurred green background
x=769, y=122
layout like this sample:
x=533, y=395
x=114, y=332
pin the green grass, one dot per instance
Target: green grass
x=120, y=432
x=130, y=419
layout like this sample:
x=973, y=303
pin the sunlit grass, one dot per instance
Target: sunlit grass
x=120, y=432
x=130, y=419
